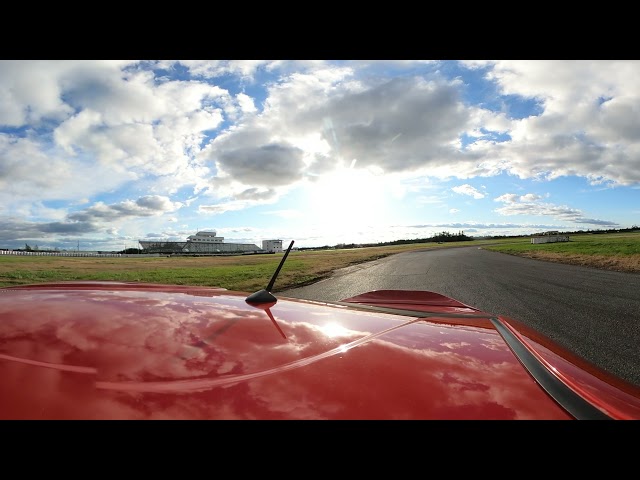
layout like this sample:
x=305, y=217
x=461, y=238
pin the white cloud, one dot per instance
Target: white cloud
x=79, y=129
x=246, y=103
x=30, y=171
x=113, y=122
x=507, y=198
x=135, y=124
x=148, y=205
x=589, y=125
x=312, y=124
x=467, y=189
x=528, y=205
x=239, y=198
x=530, y=197
x=269, y=164
x=31, y=91
x=216, y=68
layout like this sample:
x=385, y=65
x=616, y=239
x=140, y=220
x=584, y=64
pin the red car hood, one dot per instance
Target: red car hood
x=109, y=350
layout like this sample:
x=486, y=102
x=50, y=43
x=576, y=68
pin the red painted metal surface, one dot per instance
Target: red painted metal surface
x=109, y=350
x=614, y=396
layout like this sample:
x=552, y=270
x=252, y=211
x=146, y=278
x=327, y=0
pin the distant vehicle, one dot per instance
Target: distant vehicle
x=126, y=350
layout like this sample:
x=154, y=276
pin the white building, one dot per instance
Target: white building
x=272, y=246
x=206, y=242
x=205, y=237
x=550, y=238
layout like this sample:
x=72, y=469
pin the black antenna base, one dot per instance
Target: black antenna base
x=265, y=296
x=261, y=296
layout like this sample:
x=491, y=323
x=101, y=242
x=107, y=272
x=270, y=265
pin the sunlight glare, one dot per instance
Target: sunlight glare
x=349, y=199
x=334, y=330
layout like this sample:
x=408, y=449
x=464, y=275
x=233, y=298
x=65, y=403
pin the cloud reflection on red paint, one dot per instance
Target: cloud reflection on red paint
x=171, y=355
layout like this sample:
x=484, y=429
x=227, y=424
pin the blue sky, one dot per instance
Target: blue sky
x=106, y=153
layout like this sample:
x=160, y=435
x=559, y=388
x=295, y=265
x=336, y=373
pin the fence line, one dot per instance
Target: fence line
x=66, y=254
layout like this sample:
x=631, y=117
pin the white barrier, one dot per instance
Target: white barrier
x=64, y=254
x=550, y=239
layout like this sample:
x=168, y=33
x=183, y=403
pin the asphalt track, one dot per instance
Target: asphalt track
x=594, y=313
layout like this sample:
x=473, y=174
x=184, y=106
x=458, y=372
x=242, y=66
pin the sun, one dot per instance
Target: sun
x=348, y=199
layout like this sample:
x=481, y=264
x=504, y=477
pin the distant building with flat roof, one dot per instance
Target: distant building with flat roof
x=272, y=246
x=549, y=238
x=205, y=242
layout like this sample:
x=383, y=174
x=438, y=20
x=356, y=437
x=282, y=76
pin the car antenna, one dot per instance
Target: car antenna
x=265, y=295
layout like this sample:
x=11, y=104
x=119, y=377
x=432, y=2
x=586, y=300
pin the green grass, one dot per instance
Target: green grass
x=584, y=244
x=618, y=252
x=245, y=272
x=243, y=277
x=253, y=272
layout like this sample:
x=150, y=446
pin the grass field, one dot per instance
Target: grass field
x=612, y=251
x=243, y=272
x=253, y=272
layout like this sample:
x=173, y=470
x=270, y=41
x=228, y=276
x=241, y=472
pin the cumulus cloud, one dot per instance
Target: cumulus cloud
x=312, y=124
x=217, y=68
x=402, y=124
x=32, y=91
x=17, y=229
x=246, y=70
x=467, y=189
x=528, y=205
x=246, y=103
x=31, y=171
x=149, y=205
x=257, y=194
x=241, y=199
x=272, y=164
x=112, y=121
x=589, y=124
x=530, y=197
x=133, y=123
x=77, y=129
x=507, y=198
